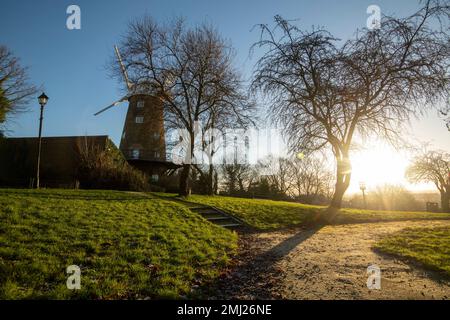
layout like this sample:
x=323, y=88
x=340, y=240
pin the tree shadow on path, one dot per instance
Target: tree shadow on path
x=255, y=273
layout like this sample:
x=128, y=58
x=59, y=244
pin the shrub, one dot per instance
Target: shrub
x=107, y=169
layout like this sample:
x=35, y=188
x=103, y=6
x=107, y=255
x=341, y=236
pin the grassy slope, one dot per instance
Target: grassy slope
x=128, y=246
x=429, y=247
x=268, y=214
x=262, y=214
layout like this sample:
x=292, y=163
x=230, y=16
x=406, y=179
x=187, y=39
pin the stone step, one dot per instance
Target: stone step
x=206, y=210
x=229, y=225
x=209, y=213
x=199, y=208
x=217, y=218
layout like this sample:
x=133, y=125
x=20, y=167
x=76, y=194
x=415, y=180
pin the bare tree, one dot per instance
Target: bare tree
x=311, y=178
x=277, y=172
x=324, y=93
x=191, y=69
x=445, y=112
x=237, y=178
x=221, y=118
x=432, y=166
x=307, y=178
x=15, y=89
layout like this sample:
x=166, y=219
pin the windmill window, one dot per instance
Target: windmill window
x=139, y=119
x=156, y=154
x=155, y=177
x=135, y=153
x=155, y=135
x=140, y=104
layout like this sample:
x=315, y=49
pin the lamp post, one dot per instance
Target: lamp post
x=362, y=187
x=42, y=101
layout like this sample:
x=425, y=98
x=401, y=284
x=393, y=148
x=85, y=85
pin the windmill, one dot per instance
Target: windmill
x=143, y=135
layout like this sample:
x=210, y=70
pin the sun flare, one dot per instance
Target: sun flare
x=380, y=164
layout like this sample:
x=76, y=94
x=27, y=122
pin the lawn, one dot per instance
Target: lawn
x=430, y=247
x=260, y=213
x=269, y=214
x=127, y=245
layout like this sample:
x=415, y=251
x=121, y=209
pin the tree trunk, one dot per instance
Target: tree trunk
x=184, y=181
x=216, y=182
x=210, y=184
x=336, y=201
x=185, y=189
x=343, y=175
x=445, y=198
x=241, y=186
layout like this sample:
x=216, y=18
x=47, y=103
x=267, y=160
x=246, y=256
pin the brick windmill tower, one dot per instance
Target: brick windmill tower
x=143, y=137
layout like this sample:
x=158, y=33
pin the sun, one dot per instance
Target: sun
x=378, y=164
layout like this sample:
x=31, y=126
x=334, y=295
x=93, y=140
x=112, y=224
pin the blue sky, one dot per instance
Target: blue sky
x=70, y=64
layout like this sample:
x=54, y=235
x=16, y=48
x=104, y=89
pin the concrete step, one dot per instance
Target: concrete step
x=229, y=225
x=199, y=208
x=202, y=210
x=217, y=218
x=210, y=213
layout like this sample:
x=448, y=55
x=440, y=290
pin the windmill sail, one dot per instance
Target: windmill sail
x=143, y=134
x=122, y=67
x=112, y=105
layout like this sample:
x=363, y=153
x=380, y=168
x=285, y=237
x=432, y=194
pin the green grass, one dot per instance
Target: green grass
x=429, y=247
x=268, y=214
x=127, y=245
x=358, y=215
x=260, y=213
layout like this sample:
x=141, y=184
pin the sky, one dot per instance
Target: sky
x=70, y=65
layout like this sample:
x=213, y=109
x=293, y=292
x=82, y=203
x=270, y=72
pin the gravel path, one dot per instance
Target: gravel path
x=327, y=263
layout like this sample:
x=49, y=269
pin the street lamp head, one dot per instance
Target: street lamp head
x=42, y=99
